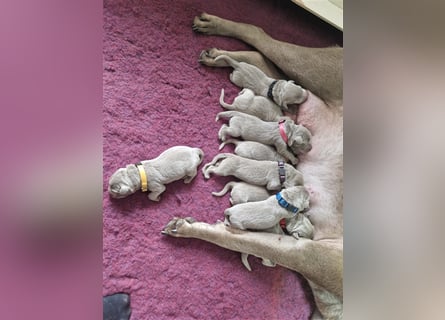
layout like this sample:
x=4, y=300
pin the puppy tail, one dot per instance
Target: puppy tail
x=245, y=262
x=200, y=155
x=226, y=115
x=221, y=101
x=226, y=188
x=217, y=158
x=232, y=62
x=233, y=141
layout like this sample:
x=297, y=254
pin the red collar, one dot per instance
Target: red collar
x=282, y=130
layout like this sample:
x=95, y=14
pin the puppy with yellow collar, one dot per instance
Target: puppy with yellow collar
x=176, y=163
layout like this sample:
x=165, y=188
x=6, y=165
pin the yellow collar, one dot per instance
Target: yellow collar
x=143, y=175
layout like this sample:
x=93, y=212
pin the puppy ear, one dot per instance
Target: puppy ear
x=289, y=126
x=297, y=140
x=115, y=187
x=133, y=173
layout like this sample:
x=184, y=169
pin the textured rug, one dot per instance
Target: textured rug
x=156, y=95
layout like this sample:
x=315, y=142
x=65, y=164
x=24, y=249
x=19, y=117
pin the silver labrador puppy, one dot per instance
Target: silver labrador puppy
x=179, y=162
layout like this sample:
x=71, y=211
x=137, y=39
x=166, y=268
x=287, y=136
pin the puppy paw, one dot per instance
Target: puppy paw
x=268, y=263
x=188, y=179
x=177, y=226
x=154, y=197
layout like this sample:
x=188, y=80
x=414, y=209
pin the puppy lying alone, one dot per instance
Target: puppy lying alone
x=179, y=162
x=281, y=134
x=282, y=92
x=254, y=150
x=271, y=174
x=258, y=106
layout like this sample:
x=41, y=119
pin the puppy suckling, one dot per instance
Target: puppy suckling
x=258, y=106
x=254, y=150
x=261, y=173
x=179, y=162
x=242, y=192
x=282, y=134
x=282, y=92
x=261, y=215
x=298, y=226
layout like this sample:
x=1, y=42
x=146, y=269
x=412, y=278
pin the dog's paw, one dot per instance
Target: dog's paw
x=268, y=263
x=174, y=227
x=202, y=24
x=206, y=24
x=207, y=57
x=188, y=179
x=154, y=197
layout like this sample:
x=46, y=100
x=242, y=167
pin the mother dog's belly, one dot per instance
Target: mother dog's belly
x=322, y=167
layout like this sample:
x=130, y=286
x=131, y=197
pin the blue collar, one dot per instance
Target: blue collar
x=286, y=205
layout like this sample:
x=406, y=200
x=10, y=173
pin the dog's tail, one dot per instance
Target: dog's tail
x=219, y=157
x=200, y=154
x=222, y=103
x=226, y=188
x=232, y=62
x=244, y=260
x=233, y=141
x=227, y=114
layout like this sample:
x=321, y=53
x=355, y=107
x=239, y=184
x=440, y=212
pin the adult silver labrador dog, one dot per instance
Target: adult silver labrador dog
x=319, y=70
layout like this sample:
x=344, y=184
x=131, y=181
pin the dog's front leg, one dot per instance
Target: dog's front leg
x=156, y=191
x=318, y=261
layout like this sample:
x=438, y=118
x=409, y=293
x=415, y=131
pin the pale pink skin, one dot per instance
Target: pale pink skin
x=326, y=127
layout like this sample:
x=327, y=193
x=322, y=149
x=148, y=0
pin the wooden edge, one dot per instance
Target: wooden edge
x=325, y=10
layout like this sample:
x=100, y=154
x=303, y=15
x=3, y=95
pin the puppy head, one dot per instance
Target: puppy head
x=299, y=138
x=290, y=94
x=300, y=227
x=123, y=182
x=297, y=196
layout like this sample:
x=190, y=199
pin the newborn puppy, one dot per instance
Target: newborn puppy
x=282, y=92
x=300, y=227
x=242, y=192
x=179, y=162
x=254, y=150
x=258, y=106
x=266, y=214
x=261, y=173
x=282, y=135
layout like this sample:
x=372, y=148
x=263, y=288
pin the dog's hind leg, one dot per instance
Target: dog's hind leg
x=223, y=132
x=190, y=175
x=318, y=69
x=207, y=57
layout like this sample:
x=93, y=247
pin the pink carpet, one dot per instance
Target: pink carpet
x=157, y=95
